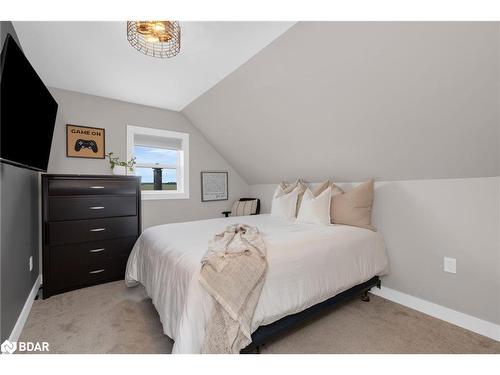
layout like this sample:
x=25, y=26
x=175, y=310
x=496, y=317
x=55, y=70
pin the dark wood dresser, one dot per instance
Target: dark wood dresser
x=90, y=224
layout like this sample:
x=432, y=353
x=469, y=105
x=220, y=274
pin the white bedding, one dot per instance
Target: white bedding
x=307, y=264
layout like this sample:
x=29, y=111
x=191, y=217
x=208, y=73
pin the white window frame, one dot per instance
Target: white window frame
x=182, y=166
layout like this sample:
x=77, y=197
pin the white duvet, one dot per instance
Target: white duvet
x=307, y=264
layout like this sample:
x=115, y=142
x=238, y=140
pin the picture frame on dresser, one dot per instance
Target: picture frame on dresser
x=90, y=224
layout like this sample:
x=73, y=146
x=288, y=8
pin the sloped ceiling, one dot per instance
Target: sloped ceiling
x=351, y=100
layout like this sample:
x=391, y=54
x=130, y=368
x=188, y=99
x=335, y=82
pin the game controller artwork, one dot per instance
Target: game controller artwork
x=84, y=142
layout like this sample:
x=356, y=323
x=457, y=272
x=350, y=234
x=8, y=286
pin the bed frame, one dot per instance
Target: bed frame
x=267, y=333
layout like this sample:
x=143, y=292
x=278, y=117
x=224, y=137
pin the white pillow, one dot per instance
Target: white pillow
x=315, y=209
x=285, y=205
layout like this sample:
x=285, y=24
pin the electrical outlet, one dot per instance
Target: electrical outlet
x=450, y=265
x=31, y=263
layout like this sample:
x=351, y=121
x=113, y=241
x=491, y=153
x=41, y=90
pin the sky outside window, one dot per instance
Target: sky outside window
x=154, y=155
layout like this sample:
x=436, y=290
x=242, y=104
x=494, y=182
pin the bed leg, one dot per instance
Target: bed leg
x=365, y=297
x=257, y=349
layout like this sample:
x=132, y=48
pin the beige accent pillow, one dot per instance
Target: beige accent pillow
x=286, y=188
x=322, y=187
x=336, y=190
x=353, y=207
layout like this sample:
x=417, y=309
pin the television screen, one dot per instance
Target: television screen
x=27, y=111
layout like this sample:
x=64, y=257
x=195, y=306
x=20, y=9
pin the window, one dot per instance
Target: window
x=162, y=158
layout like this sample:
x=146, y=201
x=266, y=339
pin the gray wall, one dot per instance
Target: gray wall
x=114, y=116
x=19, y=233
x=351, y=100
x=425, y=220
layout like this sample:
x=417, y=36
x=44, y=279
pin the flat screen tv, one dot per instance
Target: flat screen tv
x=27, y=111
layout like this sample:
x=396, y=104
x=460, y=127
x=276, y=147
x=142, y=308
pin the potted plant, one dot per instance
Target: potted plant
x=120, y=167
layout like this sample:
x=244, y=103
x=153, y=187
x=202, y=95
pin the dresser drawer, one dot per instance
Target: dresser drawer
x=88, y=263
x=90, y=207
x=63, y=187
x=94, y=252
x=65, y=232
x=114, y=271
x=75, y=276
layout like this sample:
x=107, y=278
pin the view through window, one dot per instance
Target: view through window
x=157, y=167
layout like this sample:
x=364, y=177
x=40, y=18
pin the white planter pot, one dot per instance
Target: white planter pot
x=120, y=170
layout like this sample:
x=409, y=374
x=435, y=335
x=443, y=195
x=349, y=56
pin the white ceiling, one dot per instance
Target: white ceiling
x=96, y=58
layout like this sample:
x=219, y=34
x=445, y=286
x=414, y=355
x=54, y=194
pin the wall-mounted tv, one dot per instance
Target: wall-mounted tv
x=27, y=111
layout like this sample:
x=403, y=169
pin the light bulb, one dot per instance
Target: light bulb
x=159, y=27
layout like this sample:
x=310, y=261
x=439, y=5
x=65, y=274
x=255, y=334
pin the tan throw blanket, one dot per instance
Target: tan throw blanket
x=233, y=272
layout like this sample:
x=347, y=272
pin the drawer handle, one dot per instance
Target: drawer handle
x=97, y=271
x=98, y=229
x=97, y=187
x=96, y=208
x=97, y=250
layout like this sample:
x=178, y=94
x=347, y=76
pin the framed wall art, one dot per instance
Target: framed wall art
x=214, y=186
x=85, y=142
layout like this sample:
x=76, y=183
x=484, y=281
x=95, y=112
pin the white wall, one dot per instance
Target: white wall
x=425, y=220
x=114, y=116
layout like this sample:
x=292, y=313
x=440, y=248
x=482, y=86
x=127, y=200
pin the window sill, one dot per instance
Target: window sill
x=158, y=195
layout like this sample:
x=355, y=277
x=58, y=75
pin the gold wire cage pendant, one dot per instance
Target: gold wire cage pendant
x=155, y=38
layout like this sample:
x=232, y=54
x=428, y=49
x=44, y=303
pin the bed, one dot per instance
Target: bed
x=308, y=264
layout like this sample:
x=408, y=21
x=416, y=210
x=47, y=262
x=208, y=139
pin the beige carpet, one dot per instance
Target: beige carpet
x=111, y=318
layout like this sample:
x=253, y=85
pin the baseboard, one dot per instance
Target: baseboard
x=23, y=317
x=457, y=318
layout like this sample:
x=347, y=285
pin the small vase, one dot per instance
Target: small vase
x=119, y=170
